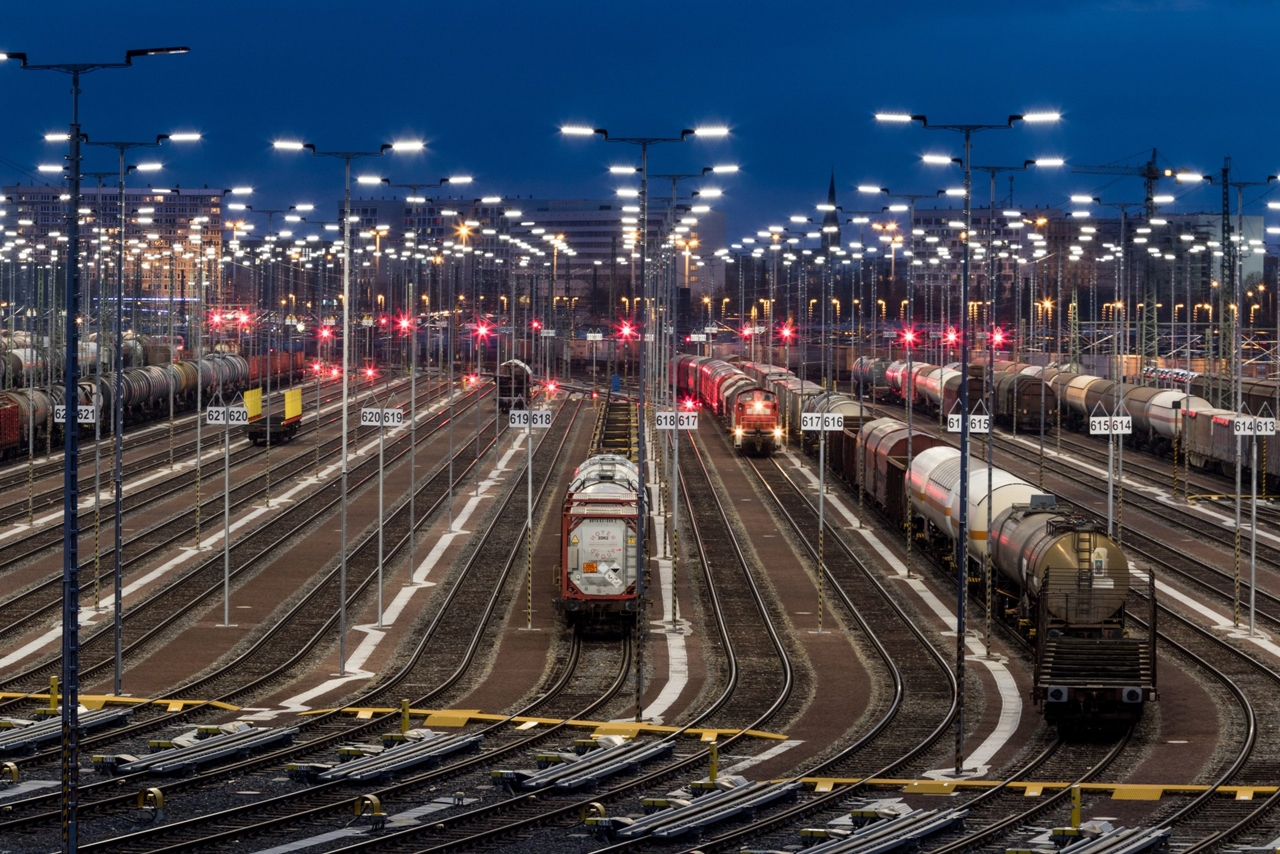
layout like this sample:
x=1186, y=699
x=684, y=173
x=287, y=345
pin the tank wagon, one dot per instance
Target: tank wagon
x=1062, y=581
x=598, y=553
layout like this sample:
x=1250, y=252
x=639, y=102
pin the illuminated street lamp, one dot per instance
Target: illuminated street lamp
x=346, y=157
x=644, y=142
x=71, y=474
x=962, y=537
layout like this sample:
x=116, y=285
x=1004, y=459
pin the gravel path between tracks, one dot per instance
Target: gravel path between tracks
x=836, y=672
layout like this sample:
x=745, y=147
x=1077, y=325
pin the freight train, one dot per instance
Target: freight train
x=798, y=397
x=598, y=551
x=747, y=405
x=1062, y=581
x=26, y=414
x=1162, y=417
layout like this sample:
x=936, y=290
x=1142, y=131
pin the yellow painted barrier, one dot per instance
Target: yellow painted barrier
x=462, y=717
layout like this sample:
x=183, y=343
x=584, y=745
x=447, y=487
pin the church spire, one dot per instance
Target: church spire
x=831, y=220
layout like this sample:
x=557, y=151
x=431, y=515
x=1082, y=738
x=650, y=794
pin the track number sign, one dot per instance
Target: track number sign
x=977, y=423
x=668, y=420
x=1107, y=425
x=226, y=415
x=548, y=333
x=821, y=421
x=698, y=337
x=375, y=417
x=1246, y=425
x=595, y=336
x=84, y=414
x=536, y=418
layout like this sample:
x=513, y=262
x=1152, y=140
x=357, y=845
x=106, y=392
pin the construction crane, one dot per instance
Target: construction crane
x=1148, y=172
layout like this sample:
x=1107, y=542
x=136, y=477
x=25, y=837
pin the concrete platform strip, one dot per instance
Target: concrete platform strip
x=1220, y=621
x=978, y=761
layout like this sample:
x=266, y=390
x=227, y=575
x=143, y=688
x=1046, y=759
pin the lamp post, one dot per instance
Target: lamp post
x=962, y=543
x=411, y=328
x=70, y=551
x=346, y=157
x=644, y=142
x=117, y=403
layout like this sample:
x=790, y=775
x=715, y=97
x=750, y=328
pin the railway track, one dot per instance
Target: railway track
x=20, y=475
x=146, y=620
x=471, y=602
x=918, y=674
x=43, y=600
x=501, y=825
x=51, y=533
x=268, y=661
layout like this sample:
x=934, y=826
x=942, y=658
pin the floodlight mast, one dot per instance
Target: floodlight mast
x=71, y=445
x=643, y=142
x=962, y=539
x=346, y=157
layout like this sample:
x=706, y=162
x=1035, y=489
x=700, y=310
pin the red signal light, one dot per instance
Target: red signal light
x=404, y=323
x=690, y=404
x=334, y=372
x=536, y=325
x=594, y=395
x=952, y=336
x=787, y=332
x=626, y=331
x=551, y=387
x=326, y=332
x=909, y=337
x=368, y=372
x=997, y=337
x=382, y=321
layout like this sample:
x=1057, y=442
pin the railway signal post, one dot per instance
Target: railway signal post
x=675, y=421
x=528, y=419
x=224, y=416
x=382, y=418
x=1253, y=427
x=822, y=422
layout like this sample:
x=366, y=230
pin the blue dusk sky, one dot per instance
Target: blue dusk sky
x=487, y=84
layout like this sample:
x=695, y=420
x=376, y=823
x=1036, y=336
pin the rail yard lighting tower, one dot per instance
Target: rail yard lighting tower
x=644, y=142
x=962, y=544
x=117, y=418
x=408, y=146
x=71, y=471
x=410, y=327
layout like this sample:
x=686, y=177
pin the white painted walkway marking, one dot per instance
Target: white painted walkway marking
x=677, y=652
x=1217, y=619
x=777, y=750
x=1157, y=493
x=88, y=616
x=373, y=636
x=978, y=761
